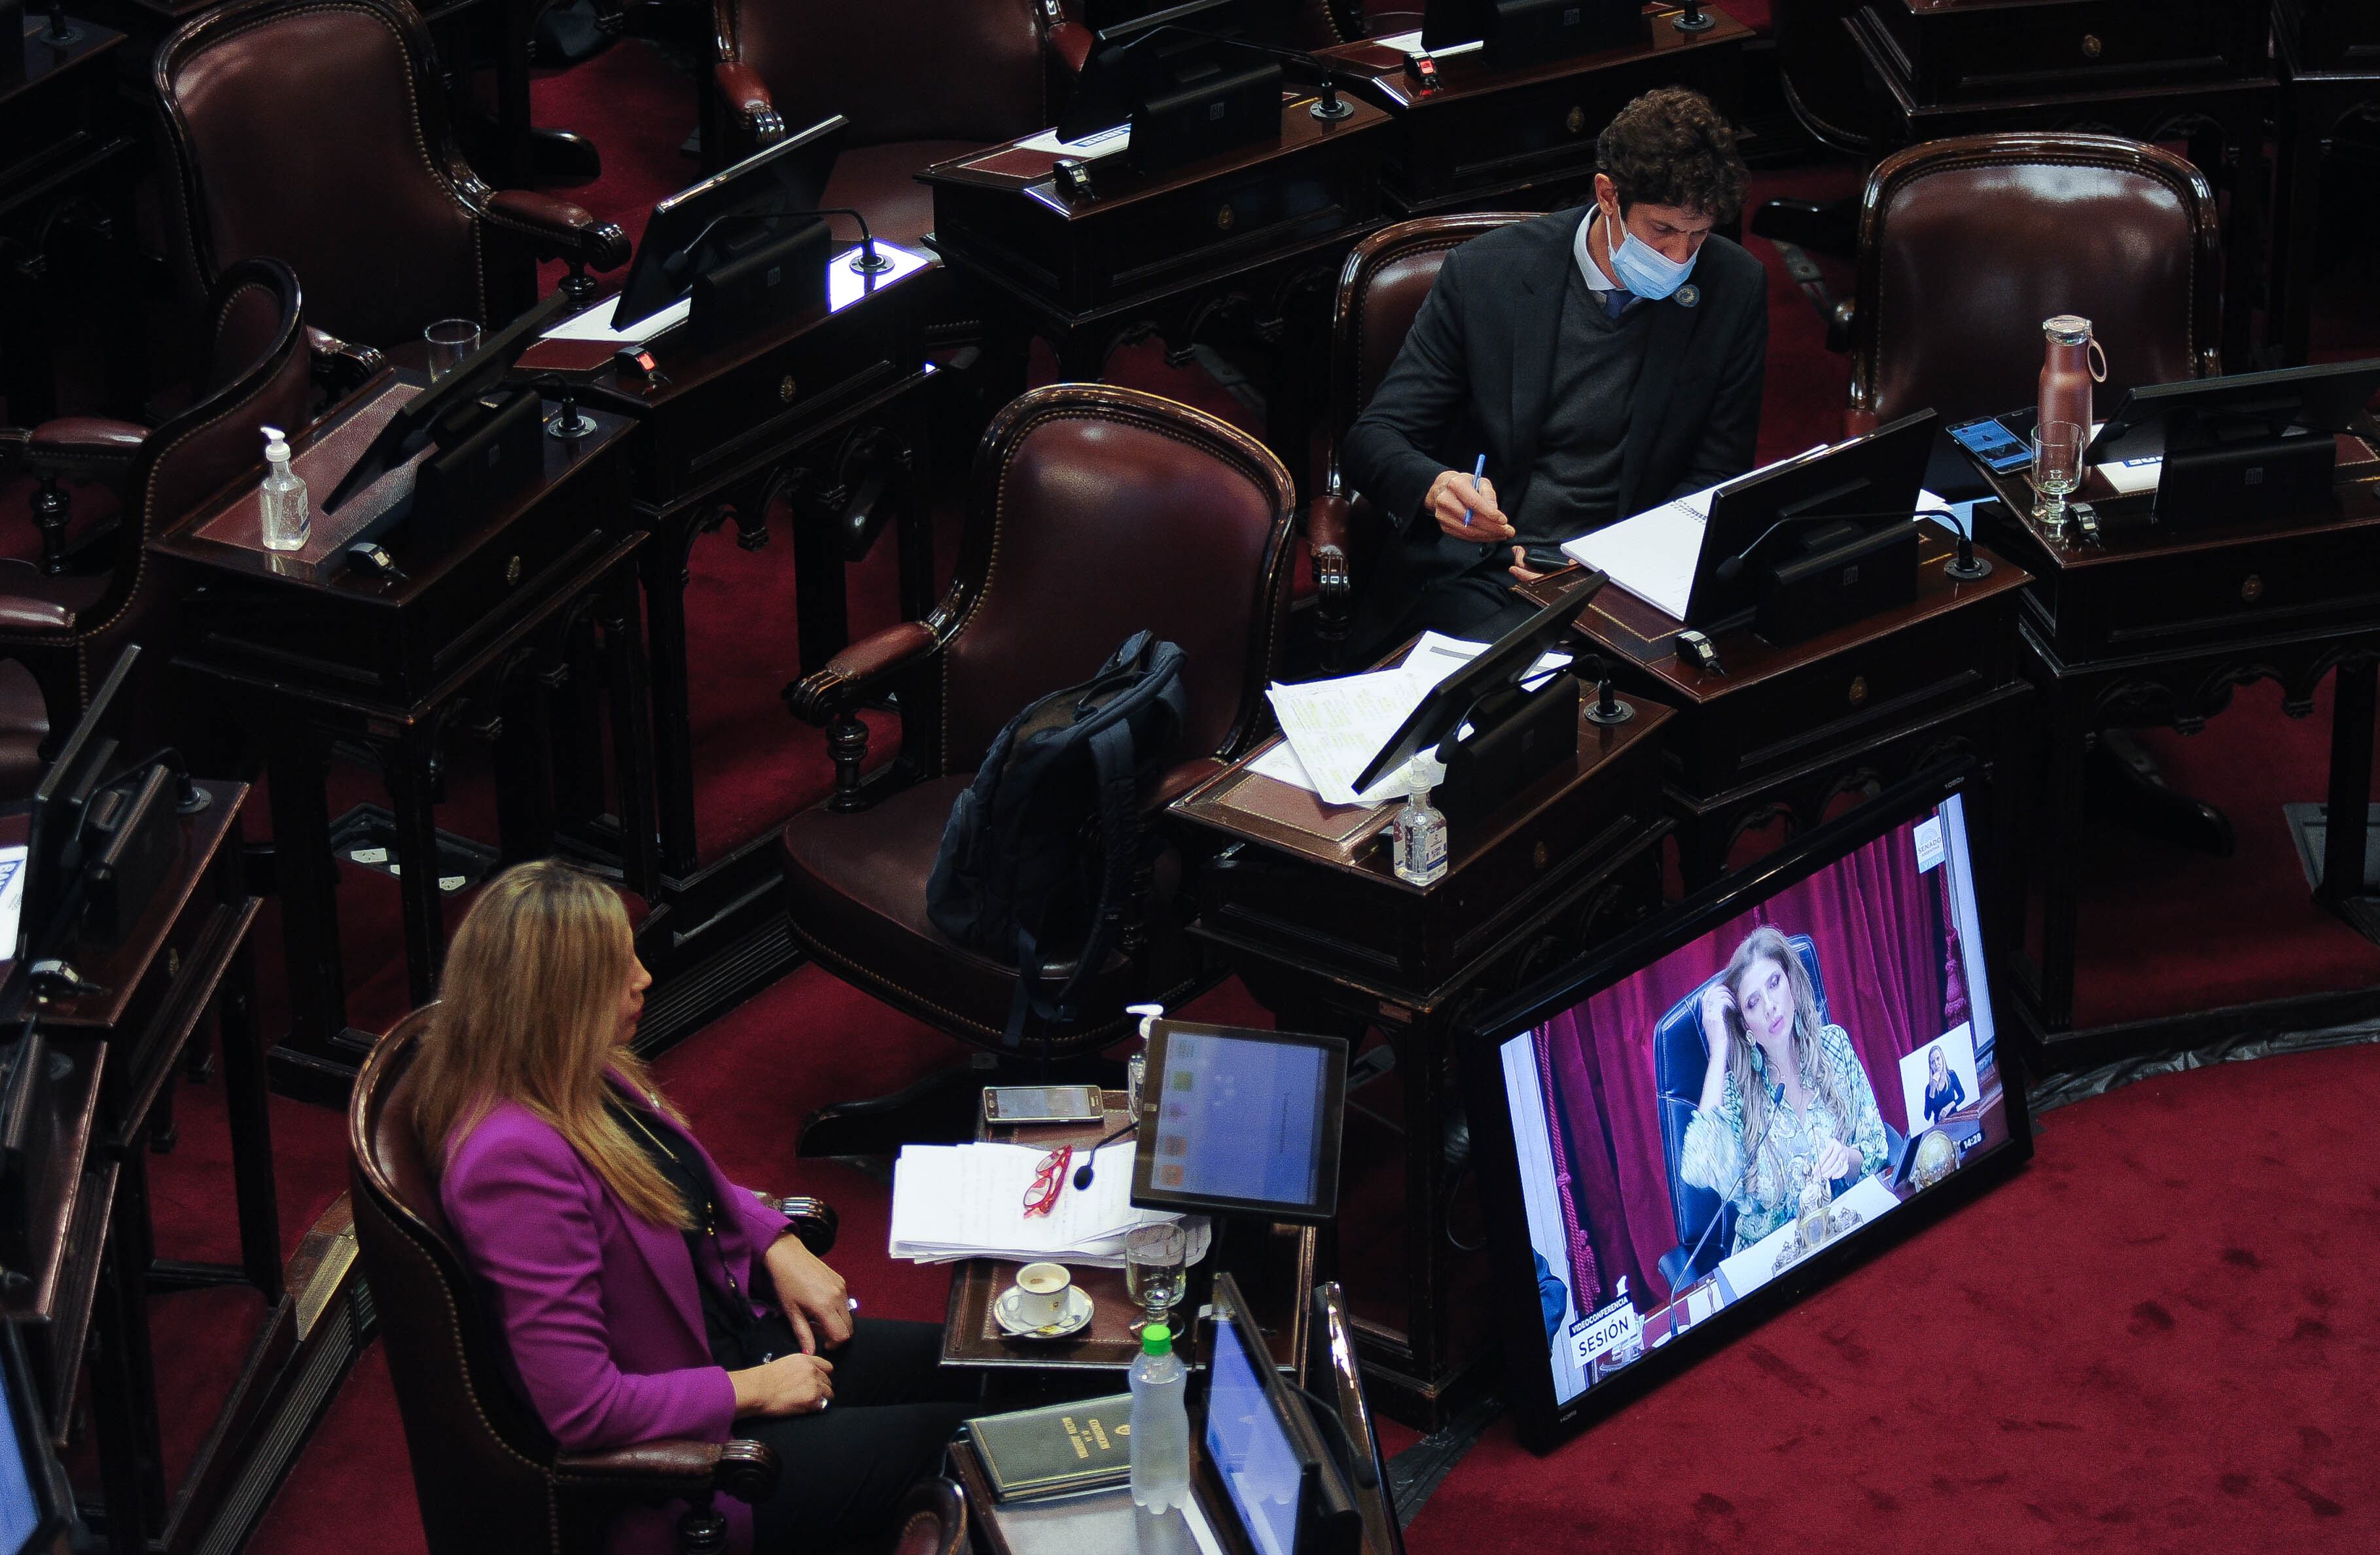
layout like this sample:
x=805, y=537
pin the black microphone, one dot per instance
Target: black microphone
x=1732, y=567
x=1083, y=1173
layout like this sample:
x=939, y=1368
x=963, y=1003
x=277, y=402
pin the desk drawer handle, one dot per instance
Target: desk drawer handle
x=1223, y=218
x=1576, y=123
x=512, y=571
x=1859, y=691
x=2252, y=588
x=2091, y=45
x=786, y=390
x=1539, y=857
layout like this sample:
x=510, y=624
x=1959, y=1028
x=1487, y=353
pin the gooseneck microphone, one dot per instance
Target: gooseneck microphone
x=1083, y=1173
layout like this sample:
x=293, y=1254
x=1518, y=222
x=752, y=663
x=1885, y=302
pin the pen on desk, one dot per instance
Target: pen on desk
x=1476, y=471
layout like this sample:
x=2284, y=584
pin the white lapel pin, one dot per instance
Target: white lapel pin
x=1689, y=295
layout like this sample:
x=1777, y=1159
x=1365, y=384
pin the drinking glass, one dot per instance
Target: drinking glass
x=2056, y=467
x=450, y=340
x=1156, y=1269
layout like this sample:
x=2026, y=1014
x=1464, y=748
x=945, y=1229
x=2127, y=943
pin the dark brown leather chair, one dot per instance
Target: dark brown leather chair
x=1097, y=511
x=1381, y=287
x=489, y=1479
x=964, y=74
x=60, y=623
x=1967, y=244
x=316, y=130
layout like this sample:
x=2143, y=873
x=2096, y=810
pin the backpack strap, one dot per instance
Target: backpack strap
x=1118, y=779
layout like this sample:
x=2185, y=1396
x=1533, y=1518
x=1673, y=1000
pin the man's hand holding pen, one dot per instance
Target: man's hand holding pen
x=1465, y=508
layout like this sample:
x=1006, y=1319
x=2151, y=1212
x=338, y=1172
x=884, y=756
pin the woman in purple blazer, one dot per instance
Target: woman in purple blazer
x=644, y=1295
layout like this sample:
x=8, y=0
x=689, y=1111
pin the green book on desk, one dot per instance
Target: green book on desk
x=1057, y=1449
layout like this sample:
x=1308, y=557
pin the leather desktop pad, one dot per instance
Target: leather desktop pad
x=322, y=464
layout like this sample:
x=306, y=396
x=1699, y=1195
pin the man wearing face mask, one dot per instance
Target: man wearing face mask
x=1603, y=360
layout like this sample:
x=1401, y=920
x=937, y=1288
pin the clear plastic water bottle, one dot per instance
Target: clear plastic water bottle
x=1417, y=835
x=286, y=520
x=1160, y=1423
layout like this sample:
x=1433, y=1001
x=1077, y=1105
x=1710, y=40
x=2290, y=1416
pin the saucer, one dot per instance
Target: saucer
x=1077, y=1317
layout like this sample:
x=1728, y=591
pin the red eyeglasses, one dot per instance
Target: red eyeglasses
x=1049, y=1181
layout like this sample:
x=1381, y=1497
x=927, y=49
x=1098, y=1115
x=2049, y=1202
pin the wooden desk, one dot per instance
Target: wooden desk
x=1242, y=247
x=2328, y=53
x=2151, y=69
x=830, y=412
x=491, y=631
x=1524, y=139
x=2143, y=627
x=1335, y=943
x=1790, y=731
x=68, y=158
x=1275, y=1266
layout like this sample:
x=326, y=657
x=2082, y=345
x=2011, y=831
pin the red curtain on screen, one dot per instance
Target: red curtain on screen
x=1881, y=931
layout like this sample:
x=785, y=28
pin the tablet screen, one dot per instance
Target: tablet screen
x=1242, y=1120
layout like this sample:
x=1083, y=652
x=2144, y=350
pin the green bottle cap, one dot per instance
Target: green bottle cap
x=1157, y=1340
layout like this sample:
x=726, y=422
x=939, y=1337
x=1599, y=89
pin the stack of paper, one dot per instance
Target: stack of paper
x=1333, y=728
x=958, y=1202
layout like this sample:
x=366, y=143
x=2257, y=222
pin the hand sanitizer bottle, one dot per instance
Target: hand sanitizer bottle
x=286, y=521
x=1417, y=835
x=1136, y=1068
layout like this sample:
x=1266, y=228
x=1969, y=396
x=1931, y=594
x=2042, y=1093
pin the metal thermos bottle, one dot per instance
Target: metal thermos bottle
x=2067, y=371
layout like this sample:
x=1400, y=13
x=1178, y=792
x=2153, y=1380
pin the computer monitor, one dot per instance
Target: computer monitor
x=455, y=395
x=1647, y=1205
x=1537, y=30
x=1339, y=1381
x=1241, y=1122
x=2325, y=397
x=711, y=222
x=89, y=759
x=1157, y=53
x=34, y=1494
x=1278, y=1485
x=1869, y=482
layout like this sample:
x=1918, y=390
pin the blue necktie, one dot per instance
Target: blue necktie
x=1615, y=303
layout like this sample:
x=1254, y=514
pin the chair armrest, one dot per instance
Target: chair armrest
x=341, y=365
x=1326, y=534
x=83, y=445
x=1179, y=779
x=932, y=1520
x=662, y=1471
x=815, y=1221
x=560, y=229
x=747, y=99
x=853, y=675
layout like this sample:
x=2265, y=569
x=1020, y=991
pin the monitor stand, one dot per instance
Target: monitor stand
x=1516, y=737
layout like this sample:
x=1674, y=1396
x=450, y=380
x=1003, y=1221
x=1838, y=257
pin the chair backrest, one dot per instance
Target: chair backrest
x=479, y=1462
x=1381, y=287
x=314, y=130
x=1681, y=1057
x=897, y=69
x=1967, y=244
x=1098, y=511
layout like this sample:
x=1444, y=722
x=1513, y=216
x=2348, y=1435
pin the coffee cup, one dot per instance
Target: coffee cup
x=1042, y=1294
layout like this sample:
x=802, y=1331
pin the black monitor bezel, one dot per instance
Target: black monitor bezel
x=1529, y=1390
x=53, y=875
x=680, y=219
x=44, y=1476
x=1230, y=1309
x=1744, y=509
x=2140, y=426
x=1318, y=1210
x=1107, y=90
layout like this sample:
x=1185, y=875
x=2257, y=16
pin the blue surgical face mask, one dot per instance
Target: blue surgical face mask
x=1643, y=269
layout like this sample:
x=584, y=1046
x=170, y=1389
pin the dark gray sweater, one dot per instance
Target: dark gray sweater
x=1574, y=486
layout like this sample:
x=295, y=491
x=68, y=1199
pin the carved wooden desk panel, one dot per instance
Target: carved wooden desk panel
x=2143, y=627
x=1331, y=943
x=1525, y=136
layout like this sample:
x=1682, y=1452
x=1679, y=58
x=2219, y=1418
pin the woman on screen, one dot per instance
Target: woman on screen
x=1944, y=1092
x=1784, y=1099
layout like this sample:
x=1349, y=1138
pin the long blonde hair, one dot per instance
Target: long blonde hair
x=528, y=1011
x=1768, y=943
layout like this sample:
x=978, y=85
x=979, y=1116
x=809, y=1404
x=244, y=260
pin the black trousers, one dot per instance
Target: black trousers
x=841, y=1471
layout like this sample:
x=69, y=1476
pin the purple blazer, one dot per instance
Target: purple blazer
x=601, y=1308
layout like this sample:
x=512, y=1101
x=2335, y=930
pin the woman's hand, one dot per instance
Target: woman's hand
x=1466, y=509
x=816, y=1302
x=788, y=1385
x=1717, y=1003
x=1836, y=1161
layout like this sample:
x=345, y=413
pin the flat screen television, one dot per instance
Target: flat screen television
x=1646, y=1203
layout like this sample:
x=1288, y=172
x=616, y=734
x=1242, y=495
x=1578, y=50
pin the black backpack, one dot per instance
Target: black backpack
x=1015, y=871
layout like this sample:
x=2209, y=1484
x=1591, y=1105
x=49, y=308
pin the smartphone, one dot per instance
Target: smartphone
x=1999, y=449
x=1043, y=1103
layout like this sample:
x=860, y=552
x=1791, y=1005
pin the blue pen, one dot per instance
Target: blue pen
x=1476, y=471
